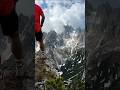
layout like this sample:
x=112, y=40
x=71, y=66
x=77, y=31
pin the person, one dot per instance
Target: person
x=9, y=25
x=38, y=31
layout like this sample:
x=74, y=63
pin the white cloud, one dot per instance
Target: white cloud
x=62, y=12
x=38, y=2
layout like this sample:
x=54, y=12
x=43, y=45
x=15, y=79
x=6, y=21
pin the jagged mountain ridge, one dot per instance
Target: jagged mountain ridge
x=57, y=43
x=61, y=49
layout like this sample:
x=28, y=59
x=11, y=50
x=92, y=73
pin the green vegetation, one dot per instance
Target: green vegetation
x=55, y=84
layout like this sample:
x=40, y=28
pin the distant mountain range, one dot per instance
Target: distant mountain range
x=66, y=53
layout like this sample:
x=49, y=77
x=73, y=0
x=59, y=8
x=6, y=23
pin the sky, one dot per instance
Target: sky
x=62, y=12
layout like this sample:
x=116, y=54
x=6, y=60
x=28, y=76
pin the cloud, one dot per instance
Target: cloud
x=63, y=12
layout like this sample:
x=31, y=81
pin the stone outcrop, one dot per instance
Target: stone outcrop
x=103, y=47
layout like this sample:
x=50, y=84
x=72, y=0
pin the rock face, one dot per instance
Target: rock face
x=8, y=78
x=65, y=57
x=103, y=47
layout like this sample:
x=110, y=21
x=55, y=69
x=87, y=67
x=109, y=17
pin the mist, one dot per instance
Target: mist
x=63, y=12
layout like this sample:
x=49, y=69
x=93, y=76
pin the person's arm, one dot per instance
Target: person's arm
x=42, y=21
x=43, y=16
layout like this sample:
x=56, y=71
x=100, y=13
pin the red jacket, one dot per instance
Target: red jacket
x=38, y=13
x=6, y=7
